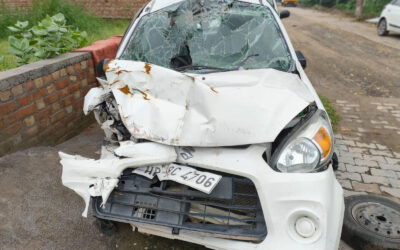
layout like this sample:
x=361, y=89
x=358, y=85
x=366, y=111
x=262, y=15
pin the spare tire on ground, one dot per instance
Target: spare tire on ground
x=371, y=223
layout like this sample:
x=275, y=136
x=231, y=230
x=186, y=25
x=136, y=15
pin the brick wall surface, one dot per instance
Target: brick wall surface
x=21, y=4
x=41, y=103
x=101, y=8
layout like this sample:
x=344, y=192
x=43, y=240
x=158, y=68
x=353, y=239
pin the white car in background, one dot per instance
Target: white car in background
x=390, y=18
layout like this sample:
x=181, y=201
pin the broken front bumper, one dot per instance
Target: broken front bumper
x=282, y=211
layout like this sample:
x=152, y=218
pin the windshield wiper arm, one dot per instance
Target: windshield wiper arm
x=201, y=67
x=249, y=56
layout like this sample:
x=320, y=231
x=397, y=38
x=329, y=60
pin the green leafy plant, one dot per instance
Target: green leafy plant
x=49, y=38
x=1, y=59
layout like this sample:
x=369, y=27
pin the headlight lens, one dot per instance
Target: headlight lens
x=300, y=155
x=307, y=149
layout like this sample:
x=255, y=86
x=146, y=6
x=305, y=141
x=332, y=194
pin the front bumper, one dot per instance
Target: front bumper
x=283, y=197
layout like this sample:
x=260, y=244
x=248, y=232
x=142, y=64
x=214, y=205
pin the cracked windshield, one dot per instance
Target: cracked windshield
x=210, y=36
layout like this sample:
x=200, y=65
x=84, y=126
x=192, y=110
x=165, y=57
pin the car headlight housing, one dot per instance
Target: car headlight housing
x=308, y=148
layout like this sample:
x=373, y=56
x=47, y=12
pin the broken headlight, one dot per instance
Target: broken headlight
x=308, y=148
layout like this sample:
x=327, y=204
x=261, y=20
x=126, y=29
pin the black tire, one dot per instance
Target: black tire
x=382, y=27
x=377, y=226
x=106, y=227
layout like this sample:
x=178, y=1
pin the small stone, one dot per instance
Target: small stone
x=374, y=158
x=38, y=83
x=17, y=90
x=392, y=191
x=392, y=160
x=356, y=169
x=358, y=150
x=40, y=104
x=345, y=142
x=394, y=182
x=367, y=163
x=55, y=75
x=347, y=175
x=63, y=72
x=375, y=179
x=347, y=193
x=77, y=94
x=365, y=145
x=379, y=122
x=346, y=159
x=345, y=184
x=69, y=109
x=395, y=167
x=382, y=172
x=72, y=79
x=5, y=95
x=338, y=136
x=370, y=188
x=29, y=121
x=381, y=152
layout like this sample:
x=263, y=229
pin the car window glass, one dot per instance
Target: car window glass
x=215, y=33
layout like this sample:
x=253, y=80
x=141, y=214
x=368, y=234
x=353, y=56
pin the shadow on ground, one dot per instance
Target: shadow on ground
x=38, y=212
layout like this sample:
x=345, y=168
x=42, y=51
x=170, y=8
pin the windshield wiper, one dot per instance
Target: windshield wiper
x=202, y=67
x=247, y=58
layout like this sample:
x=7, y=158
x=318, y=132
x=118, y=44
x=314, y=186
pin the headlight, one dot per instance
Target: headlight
x=308, y=148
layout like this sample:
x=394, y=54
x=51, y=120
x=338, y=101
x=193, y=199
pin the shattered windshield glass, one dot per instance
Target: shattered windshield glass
x=209, y=35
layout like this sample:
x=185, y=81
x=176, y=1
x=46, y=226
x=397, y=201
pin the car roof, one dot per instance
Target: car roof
x=159, y=4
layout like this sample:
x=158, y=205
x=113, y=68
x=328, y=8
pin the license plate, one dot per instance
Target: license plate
x=199, y=180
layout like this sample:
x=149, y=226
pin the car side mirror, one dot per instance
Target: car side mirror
x=284, y=14
x=100, y=67
x=302, y=59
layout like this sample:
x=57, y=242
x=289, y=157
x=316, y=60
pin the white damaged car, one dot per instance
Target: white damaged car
x=213, y=132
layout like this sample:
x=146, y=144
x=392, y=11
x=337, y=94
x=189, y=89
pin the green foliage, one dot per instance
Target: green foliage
x=333, y=116
x=73, y=12
x=49, y=38
x=1, y=59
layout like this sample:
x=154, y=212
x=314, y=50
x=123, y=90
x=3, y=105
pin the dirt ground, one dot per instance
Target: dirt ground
x=346, y=60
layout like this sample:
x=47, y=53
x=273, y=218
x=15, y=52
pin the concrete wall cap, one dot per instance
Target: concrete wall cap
x=31, y=71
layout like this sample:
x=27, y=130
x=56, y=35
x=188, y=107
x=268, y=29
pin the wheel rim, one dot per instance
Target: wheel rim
x=378, y=218
x=382, y=27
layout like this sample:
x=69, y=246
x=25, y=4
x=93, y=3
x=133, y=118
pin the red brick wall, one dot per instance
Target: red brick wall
x=101, y=8
x=16, y=3
x=44, y=109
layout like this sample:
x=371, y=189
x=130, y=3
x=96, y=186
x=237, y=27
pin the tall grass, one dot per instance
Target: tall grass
x=73, y=12
x=96, y=28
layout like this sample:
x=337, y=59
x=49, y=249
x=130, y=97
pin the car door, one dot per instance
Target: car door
x=395, y=15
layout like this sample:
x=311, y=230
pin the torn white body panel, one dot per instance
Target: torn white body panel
x=218, y=109
x=281, y=207
x=89, y=177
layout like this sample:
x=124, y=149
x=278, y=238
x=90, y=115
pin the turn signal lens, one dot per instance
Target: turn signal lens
x=324, y=142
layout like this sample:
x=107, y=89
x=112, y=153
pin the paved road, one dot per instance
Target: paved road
x=359, y=72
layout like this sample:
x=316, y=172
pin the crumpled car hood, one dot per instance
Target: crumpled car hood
x=202, y=110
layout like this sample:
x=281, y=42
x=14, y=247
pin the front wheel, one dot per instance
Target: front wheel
x=371, y=222
x=382, y=28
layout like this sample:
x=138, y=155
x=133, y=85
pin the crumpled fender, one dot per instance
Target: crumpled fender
x=89, y=177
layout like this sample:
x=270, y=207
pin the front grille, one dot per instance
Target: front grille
x=232, y=210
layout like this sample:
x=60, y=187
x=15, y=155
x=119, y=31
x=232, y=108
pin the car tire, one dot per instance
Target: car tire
x=382, y=27
x=371, y=222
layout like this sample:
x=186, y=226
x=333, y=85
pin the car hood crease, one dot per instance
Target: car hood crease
x=204, y=110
